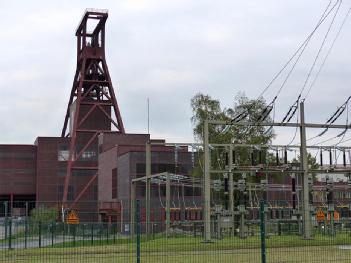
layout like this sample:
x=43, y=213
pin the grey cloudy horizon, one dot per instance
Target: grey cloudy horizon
x=166, y=51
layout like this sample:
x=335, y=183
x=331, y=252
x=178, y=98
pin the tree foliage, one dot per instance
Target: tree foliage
x=44, y=215
x=205, y=107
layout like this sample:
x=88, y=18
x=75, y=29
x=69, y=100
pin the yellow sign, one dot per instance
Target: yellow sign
x=336, y=216
x=72, y=218
x=320, y=216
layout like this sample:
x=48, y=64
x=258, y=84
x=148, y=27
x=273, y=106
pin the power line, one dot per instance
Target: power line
x=320, y=21
x=320, y=48
x=242, y=115
x=297, y=121
x=293, y=108
x=336, y=115
x=328, y=53
x=300, y=51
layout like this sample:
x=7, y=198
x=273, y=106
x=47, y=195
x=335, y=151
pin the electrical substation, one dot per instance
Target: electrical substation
x=98, y=183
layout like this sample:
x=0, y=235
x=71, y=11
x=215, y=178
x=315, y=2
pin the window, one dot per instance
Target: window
x=61, y=171
x=114, y=183
x=8, y=171
x=83, y=172
x=63, y=152
x=95, y=192
x=88, y=155
x=17, y=155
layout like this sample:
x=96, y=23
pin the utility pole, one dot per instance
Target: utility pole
x=207, y=186
x=147, y=185
x=168, y=204
x=306, y=215
x=231, y=183
x=132, y=209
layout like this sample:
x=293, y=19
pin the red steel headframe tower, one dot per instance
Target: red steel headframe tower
x=92, y=107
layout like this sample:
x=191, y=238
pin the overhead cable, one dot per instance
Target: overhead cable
x=328, y=52
x=320, y=21
x=340, y=110
x=293, y=108
x=321, y=47
x=299, y=51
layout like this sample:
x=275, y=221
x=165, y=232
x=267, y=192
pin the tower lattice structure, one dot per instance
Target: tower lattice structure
x=92, y=107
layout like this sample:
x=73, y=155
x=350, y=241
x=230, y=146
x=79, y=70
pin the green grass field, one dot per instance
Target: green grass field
x=280, y=249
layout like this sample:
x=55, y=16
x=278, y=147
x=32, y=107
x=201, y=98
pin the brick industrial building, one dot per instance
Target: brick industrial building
x=89, y=168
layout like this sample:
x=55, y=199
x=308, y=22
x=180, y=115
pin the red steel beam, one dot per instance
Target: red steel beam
x=79, y=196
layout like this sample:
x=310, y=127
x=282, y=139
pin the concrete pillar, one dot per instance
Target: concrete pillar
x=306, y=215
x=148, y=188
x=207, y=186
x=132, y=209
x=168, y=204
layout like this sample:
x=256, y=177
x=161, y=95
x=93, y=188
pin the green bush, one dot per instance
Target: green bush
x=44, y=215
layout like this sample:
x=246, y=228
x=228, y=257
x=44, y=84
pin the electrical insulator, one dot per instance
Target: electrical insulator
x=293, y=184
x=263, y=185
x=330, y=157
x=329, y=183
x=344, y=157
x=193, y=159
x=241, y=185
x=321, y=157
x=226, y=185
x=226, y=159
x=262, y=156
x=234, y=157
x=277, y=157
x=217, y=185
x=252, y=158
x=349, y=181
x=285, y=156
x=310, y=181
x=293, y=190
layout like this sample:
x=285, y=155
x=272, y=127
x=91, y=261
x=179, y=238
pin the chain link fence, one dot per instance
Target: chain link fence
x=260, y=234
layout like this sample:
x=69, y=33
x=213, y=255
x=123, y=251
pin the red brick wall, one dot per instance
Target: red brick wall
x=17, y=169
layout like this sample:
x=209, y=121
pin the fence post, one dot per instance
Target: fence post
x=92, y=233
x=52, y=233
x=83, y=232
x=137, y=216
x=114, y=234
x=25, y=232
x=64, y=233
x=100, y=232
x=107, y=233
x=10, y=233
x=263, y=231
x=39, y=234
x=6, y=215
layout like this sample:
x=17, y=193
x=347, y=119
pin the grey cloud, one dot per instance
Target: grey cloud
x=165, y=50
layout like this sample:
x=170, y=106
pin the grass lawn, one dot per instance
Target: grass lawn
x=280, y=249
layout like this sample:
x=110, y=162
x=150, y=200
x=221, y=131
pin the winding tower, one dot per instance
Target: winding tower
x=92, y=107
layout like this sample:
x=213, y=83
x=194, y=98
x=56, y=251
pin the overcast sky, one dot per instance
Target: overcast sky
x=167, y=51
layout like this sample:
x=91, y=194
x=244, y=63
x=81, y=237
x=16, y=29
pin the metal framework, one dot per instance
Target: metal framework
x=165, y=178
x=304, y=169
x=92, y=107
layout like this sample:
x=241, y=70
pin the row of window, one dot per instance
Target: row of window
x=17, y=155
x=63, y=155
x=7, y=171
